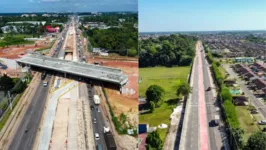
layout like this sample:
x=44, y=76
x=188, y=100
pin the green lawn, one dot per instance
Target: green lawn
x=247, y=122
x=168, y=78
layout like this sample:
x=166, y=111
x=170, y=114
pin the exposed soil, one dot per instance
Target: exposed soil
x=127, y=102
x=14, y=52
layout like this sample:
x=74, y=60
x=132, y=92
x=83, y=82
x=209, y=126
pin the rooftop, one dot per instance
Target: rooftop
x=97, y=72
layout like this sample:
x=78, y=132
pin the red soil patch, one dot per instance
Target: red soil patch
x=14, y=52
x=127, y=102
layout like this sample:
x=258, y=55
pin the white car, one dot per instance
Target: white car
x=262, y=122
x=97, y=136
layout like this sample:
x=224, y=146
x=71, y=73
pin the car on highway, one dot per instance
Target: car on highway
x=97, y=136
x=262, y=122
x=94, y=120
x=98, y=109
x=99, y=147
x=208, y=89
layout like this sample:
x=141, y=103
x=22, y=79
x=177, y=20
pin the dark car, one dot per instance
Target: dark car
x=208, y=89
x=254, y=112
x=92, y=107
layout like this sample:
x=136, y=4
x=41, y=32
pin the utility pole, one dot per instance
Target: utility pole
x=9, y=100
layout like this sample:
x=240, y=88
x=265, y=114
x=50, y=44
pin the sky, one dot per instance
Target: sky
x=16, y=6
x=201, y=15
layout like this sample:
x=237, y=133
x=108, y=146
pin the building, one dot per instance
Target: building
x=50, y=29
x=244, y=60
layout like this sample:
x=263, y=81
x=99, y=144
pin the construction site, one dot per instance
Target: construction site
x=65, y=109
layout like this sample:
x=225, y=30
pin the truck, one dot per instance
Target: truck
x=217, y=119
x=110, y=141
x=96, y=99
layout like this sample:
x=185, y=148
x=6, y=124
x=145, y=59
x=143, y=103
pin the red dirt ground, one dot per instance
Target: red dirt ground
x=13, y=52
x=124, y=103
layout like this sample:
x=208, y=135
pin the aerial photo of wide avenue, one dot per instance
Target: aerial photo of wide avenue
x=132, y=75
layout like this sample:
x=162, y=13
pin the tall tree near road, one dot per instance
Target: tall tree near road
x=257, y=141
x=155, y=93
x=183, y=89
x=154, y=141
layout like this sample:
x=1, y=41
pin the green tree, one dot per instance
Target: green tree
x=256, y=141
x=183, y=89
x=154, y=141
x=132, y=52
x=152, y=106
x=155, y=93
x=6, y=83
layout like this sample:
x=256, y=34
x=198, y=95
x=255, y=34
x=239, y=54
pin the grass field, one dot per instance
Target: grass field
x=169, y=79
x=247, y=122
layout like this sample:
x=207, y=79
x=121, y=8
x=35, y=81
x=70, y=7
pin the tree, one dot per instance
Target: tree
x=154, y=141
x=6, y=83
x=183, y=89
x=152, y=106
x=154, y=93
x=256, y=141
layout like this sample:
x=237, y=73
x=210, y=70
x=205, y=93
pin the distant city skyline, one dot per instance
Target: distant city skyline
x=28, y=6
x=205, y=15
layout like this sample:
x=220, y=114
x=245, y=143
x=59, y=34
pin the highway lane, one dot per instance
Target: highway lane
x=100, y=122
x=192, y=135
x=31, y=121
x=32, y=117
x=210, y=106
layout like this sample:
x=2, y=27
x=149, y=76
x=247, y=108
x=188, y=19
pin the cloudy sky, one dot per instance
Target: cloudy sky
x=9, y=6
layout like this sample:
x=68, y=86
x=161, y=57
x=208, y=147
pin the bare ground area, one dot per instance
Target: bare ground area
x=14, y=52
x=60, y=129
x=127, y=102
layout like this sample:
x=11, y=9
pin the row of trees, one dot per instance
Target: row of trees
x=122, y=40
x=111, y=19
x=167, y=51
x=255, y=141
x=52, y=19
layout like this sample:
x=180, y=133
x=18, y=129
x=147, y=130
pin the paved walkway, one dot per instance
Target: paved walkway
x=50, y=116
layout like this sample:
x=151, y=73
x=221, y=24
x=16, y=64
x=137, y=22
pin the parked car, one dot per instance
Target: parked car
x=264, y=129
x=254, y=112
x=262, y=122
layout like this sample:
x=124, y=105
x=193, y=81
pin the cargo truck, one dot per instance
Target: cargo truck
x=96, y=99
x=110, y=141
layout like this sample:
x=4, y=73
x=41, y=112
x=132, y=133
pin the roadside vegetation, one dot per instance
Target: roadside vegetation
x=8, y=40
x=16, y=87
x=163, y=82
x=238, y=119
x=121, y=37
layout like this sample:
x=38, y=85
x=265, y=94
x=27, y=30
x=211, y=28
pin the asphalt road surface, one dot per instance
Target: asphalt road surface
x=192, y=134
x=31, y=120
x=100, y=122
x=214, y=137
